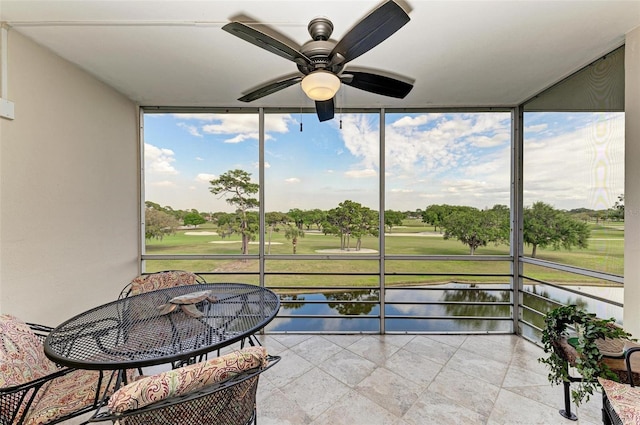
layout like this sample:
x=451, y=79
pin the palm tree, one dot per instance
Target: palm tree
x=293, y=233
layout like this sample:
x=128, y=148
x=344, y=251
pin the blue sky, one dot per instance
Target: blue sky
x=571, y=160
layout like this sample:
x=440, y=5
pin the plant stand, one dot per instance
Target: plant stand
x=612, y=356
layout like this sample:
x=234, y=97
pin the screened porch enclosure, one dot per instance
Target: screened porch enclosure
x=323, y=192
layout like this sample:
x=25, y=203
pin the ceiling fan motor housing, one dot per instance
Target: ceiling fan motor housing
x=318, y=52
x=319, y=48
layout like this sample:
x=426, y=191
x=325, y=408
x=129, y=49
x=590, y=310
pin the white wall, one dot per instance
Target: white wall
x=69, y=197
x=631, y=320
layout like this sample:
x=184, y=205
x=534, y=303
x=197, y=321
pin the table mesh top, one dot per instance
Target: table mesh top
x=134, y=332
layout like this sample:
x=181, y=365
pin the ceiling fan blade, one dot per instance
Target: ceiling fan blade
x=270, y=88
x=375, y=83
x=372, y=30
x=266, y=42
x=325, y=109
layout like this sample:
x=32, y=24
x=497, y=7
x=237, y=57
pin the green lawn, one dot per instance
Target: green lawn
x=605, y=253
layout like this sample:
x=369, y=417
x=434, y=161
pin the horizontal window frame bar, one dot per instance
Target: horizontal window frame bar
x=315, y=257
x=151, y=109
x=474, y=303
x=573, y=269
x=573, y=291
x=491, y=318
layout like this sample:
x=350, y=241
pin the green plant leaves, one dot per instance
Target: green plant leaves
x=588, y=362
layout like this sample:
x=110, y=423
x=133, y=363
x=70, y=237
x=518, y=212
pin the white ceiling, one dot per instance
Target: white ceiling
x=460, y=53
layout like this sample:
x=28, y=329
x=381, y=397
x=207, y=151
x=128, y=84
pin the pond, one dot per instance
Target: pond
x=448, y=308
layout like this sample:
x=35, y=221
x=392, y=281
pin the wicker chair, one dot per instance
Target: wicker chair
x=620, y=401
x=220, y=391
x=34, y=390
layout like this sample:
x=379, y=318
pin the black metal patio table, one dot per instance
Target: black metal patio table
x=163, y=326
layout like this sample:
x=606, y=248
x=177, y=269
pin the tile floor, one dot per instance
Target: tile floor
x=410, y=380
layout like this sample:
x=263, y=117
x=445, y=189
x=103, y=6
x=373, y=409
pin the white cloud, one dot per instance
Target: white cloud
x=419, y=120
x=482, y=141
x=205, y=178
x=193, y=130
x=199, y=158
x=158, y=160
x=164, y=183
x=536, y=128
x=359, y=174
x=582, y=168
x=238, y=138
x=361, y=137
x=239, y=124
x=292, y=180
x=443, y=145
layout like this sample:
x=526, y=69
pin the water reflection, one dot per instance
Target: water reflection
x=347, y=307
x=453, y=307
x=559, y=296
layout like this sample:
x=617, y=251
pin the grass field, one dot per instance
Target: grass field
x=605, y=253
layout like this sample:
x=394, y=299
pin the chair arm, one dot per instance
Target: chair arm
x=17, y=396
x=37, y=382
x=627, y=359
x=219, y=386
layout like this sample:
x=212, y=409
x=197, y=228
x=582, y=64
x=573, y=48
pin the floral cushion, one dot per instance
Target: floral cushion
x=22, y=360
x=185, y=380
x=22, y=357
x=66, y=395
x=625, y=400
x=161, y=280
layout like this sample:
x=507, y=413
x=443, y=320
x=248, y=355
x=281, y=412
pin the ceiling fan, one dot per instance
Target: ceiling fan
x=321, y=61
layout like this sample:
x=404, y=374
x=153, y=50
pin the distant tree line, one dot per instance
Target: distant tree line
x=544, y=226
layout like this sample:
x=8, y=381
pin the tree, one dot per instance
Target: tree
x=351, y=219
x=619, y=205
x=368, y=225
x=435, y=214
x=236, y=184
x=297, y=215
x=477, y=228
x=393, y=218
x=315, y=216
x=545, y=226
x=292, y=233
x=193, y=219
x=157, y=224
x=272, y=219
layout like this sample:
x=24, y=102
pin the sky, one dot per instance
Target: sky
x=571, y=160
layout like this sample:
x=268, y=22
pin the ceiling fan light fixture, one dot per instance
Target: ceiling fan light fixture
x=320, y=85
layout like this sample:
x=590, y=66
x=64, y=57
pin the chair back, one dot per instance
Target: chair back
x=22, y=356
x=221, y=390
x=160, y=280
x=22, y=360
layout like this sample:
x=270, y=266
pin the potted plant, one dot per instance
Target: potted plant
x=588, y=357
